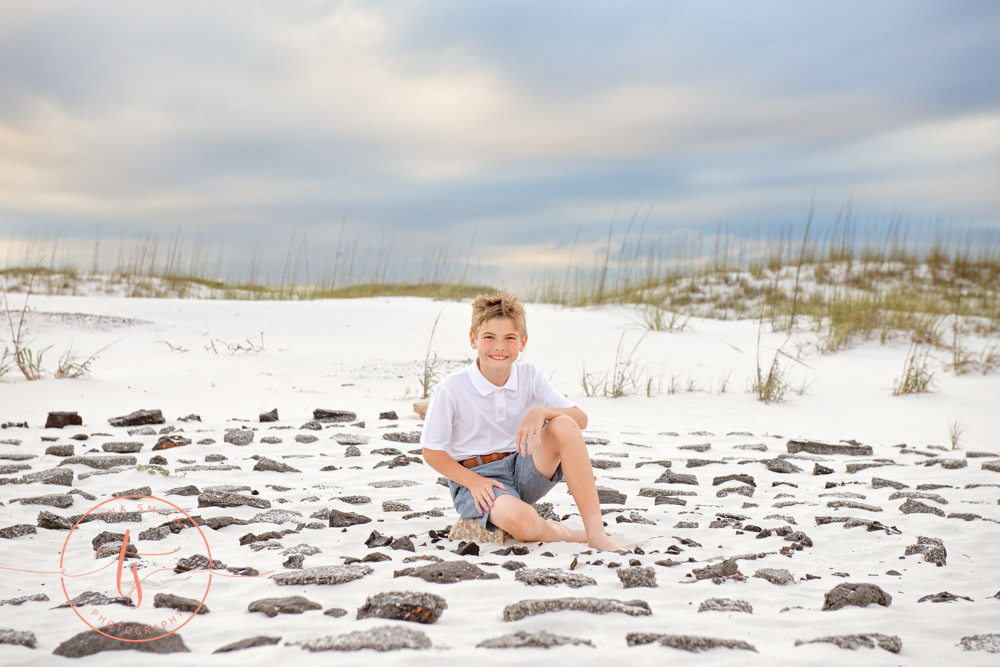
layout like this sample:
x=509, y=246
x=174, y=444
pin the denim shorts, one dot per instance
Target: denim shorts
x=517, y=473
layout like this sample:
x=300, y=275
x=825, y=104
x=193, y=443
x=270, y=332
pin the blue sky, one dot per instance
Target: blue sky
x=510, y=127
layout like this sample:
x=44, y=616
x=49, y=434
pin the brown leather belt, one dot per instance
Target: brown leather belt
x=485, y=458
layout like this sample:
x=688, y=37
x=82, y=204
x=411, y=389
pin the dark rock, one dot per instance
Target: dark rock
x=269, y=465
x=51, y=521
x=94, y=599
x=671, y=477
x=122, y=447
x=860, y=595
x=726, y=569
x=198, y=563
x=912, y=506
x=383, y=638
x=989, y=643
x=92, y=641
x=698, y=463
x=637, y=577
x=943, y=596
x=919, y=495
x=305, y=438
x=18, y=638
x=189, y=490
x=271, y=416
x=552, y=577
x=539, y=639
x=58, y=450
x=328, y=416
x=216, y=458
x=327, y=575
x=377, y=540
x=821, y=470
x=170, y=442
x=686, y=642
x=992, y=466
x=271, y=607
x=449, y=572
x=218, y=499
x=796, y=446
x=375, y=557
x=525, y=608
x=99, y=462
x=57, y=476
x=139, y=418
x=636, y=517
x=890, y=643
x=742, y=490
x=157, y=461
x=777, y=577
x=251, y=642
x=294, y=562
x=403, y=544
x=746, y=479
x=138, y=491
x=239, y=437
x=879, y=483
x=17, y=530
x=606, y=496
x=408, y=437
x=931, y=548
x=404, y=606
x=171, y=601
x=604, y=464
x=60, y=500
x=723, y=604
x=395, y=506
x=270, y=440
x=340, y=519
x=837, y=504
x=335, y=612
x=781, y=466
x=391, y=414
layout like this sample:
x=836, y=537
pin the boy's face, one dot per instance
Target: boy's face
x=497, y=343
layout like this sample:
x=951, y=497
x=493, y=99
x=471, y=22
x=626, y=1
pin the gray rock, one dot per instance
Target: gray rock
x=325, y=575
x=189, y=490
x=277, y=516
x=725, y=569
x=992, y=466
x=539, y=639
x=268, y=440
x=138, y=491
x=60, y=500
x=350, y=439
x=271, y=607
x=270, y=465
x=155, y=534
x=198, y=563
x=171, y=601
x=170, y=442
x=742, y=490
x=57, y=476
x=746, y=479
x=17, y=602
x=698, y=463
x=216, y=458
x=383, y=638
x=890, y=643
x=17, y=638
x=919, y=495
x=637, y=577
x=777, y=577
x=93, y=599
x=912, y=506
x=408, y=437
x=944, y=596
x=525, y=608
x=606, y=496
x=395, y=506
x=821, y=470
x=98, y=462
x=547, y=576
x=271, y=416
x=879, y=483
x=352, y=451
x=393, y=483
x=139, y=418
x=404, y=606
x=796, y=446
x=603, y=464
x=250, y=642
x=335, y=416
x=340, y=519
x=239, y=437
x=59, y=450
x=931, y=548
x=686, y=642
x=860, y=595
x=989, y=643
x=849, y=504
x=305, y=438
x=781, y=466
x=671, y=477
x=724, y=604
x=91, y=641
x=216, y=499
x=448, y=572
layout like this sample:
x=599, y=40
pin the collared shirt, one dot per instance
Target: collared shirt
x=469, y=415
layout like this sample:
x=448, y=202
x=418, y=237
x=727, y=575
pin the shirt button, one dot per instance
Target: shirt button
x=499, y=412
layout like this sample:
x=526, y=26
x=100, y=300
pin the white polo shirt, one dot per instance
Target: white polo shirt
x=469, y=415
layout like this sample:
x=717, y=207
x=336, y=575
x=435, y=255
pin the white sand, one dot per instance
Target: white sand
x=367, y=355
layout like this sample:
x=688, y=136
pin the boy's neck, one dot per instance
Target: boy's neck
x=498, y=381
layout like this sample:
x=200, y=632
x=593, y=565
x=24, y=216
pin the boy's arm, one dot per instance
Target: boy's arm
x=531, y=426
x=480, y=487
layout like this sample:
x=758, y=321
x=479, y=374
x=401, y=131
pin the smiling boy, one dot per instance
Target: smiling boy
x=505, y=436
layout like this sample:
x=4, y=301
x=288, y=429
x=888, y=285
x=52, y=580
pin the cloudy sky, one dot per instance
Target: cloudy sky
x=497, y=131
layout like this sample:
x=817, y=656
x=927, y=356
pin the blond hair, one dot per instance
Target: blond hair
x=488, y=307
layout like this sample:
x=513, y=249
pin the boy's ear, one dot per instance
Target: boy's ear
x=524, y=341
x=472, y=339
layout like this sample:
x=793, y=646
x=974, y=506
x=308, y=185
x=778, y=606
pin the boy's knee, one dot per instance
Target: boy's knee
x=563, y=425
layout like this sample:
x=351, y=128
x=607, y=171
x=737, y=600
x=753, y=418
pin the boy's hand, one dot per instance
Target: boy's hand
x=482, y=493
x=529, y=435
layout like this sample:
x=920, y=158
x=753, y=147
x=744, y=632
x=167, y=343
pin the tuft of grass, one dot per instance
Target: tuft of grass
x=917, y=376
x=153, y=469
x=955, y=431
x=770, y=387
x=429, y=376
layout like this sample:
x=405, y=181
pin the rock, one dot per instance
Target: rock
x=326, y=575
x=890, y=643
x=138, y=491
x=742, y=490
x=270, y=440
x=215, y=458
x=781, y=466
x=408, y=437
x=606, y=496
x=402, y=543
x=470, y=529
x=919, y=495
x=636, y=577
x=686, y=642
x=746, y=479
x=92, y=641
x=61, y=419
x=269, y=465
x=157, y=461
x=395, y=506
x=777, y=577
x=837, y=504
x=251, y=642
x=448, y=572
x=305, y=438
x=552, y=577
x=860, y=595
x=17, y=602
x=335, y=612
x=604, y=464
x=217, y=499
x=821, y=470
x=391, y=414
x=139, y=418
x=57, y=476
x=271, y=607
x=99, y=462
x=198, y=563
x=239, y=437
x=383, y=638
x=931, y=548
x=725, y=569
x=18, y=638
x=189, y=490
x=17, y=530
x=404, y=606
x=539, y=639
x=796, y=446
x=912, y=506
x=420, y=407
x=328, y=416
x=989, y=643
x=992, y=466
x=723, y=604
x=277, y=516
x=352, y=451
x=94, y=599
x=525, y=608
x=340, y=519
x=393, y=483
x=271, y=416
x=350, y=439
x=171, y=601
x=170, y=442
x=122, y=447
x=879, y=483
x=60, y=500
x=671, y=477
x=943, y=596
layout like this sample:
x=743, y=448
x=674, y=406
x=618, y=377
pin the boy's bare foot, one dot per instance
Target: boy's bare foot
x=566, y=534
x=604, y=543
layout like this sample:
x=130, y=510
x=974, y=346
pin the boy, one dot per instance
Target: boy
x=505, y=436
